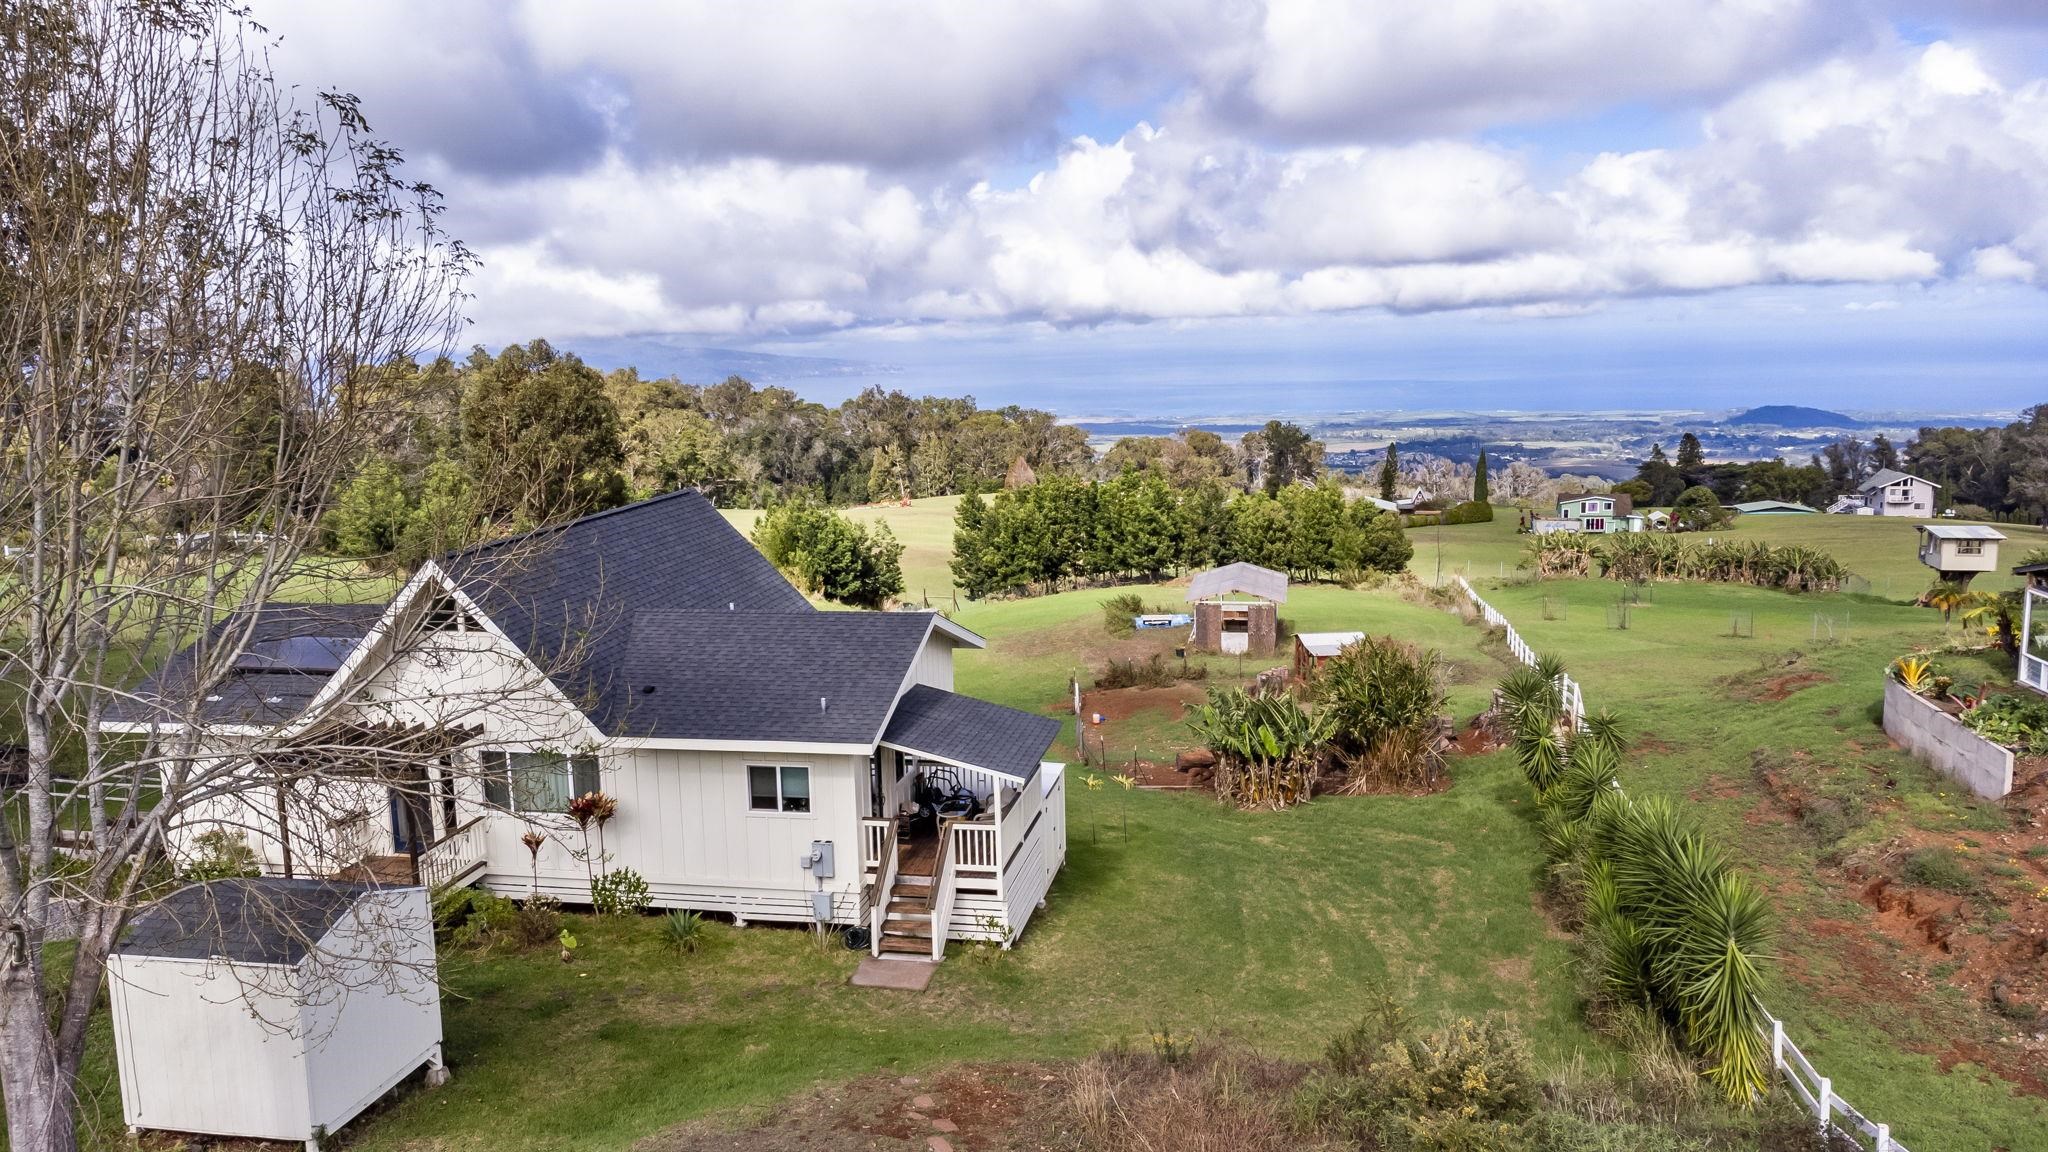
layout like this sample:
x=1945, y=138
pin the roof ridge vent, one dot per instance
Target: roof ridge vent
x=821, y=703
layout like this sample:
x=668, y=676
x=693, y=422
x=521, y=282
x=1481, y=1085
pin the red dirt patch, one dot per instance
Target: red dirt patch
x=1116, y=704
x=1781, y=687
x=1001, y=1108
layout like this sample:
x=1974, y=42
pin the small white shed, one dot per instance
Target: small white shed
x=1958, y=552
x=272, y=1009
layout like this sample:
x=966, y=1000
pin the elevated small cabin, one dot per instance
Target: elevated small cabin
x=272, y=1009
x=1314, y=649
x=2033, y=671
x=1237, y=609
x=768, y=760
x=1958, y=552
x=1890, y=492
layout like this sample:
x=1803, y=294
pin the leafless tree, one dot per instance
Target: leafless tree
x=200, y=272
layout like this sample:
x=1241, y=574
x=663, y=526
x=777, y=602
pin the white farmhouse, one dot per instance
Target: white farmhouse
x=1890, y=492
x=769, y=760
x=272, y=1009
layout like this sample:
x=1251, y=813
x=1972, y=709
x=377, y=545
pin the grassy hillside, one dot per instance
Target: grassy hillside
x=926, y=529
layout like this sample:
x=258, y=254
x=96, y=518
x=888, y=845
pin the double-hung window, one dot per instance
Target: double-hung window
x=536, y=781
x=778, y=788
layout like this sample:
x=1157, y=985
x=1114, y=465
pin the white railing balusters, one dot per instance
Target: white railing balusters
x=1815, y=1090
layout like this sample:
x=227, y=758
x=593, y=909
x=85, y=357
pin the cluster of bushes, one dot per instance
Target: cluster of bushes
x=2018, y=723
x=474, y=918
x=1062, y=530
x=1671, y=934
x=1639, y=557
x=1392, y=1084
x=828, y=555
x=1374, y=716
x=1151, y=672
x=1387, y=700
x=1470, y=512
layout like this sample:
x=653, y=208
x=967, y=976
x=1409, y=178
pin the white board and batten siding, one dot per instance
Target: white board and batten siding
x=684, y=824
x=279, y=1052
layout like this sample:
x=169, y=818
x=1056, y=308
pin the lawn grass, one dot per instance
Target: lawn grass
x=1270, y=926
x=1883, y=550
x=1711, y=708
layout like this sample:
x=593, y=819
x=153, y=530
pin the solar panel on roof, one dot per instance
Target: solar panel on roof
x=297, y=654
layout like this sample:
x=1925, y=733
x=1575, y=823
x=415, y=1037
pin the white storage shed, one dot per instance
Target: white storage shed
x=273, y=1009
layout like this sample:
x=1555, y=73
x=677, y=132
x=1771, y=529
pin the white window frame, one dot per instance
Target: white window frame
x=504, y=774
x=1969, y=547
x=781, y=797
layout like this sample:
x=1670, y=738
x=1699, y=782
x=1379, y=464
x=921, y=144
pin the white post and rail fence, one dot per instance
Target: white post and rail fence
x=1831, y=1112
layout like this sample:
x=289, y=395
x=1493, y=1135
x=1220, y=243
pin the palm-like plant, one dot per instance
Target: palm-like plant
x=1267, y=748
x=1945, y=597
x=1998, y=613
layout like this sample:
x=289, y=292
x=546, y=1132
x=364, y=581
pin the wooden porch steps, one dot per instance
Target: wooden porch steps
x=906, y=926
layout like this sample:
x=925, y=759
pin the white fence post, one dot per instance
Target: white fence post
x=1884, y=1138
x=1823, y=1104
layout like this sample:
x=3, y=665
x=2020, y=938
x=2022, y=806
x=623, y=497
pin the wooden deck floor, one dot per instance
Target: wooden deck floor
x=384, y=871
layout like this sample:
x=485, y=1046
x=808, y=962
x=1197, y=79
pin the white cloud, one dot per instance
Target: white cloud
x=746, y=170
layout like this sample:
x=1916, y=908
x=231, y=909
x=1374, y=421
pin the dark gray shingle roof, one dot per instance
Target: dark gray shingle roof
x=760, y=675
x=250, y=694
x=954, y=727
x=578, y=587
x=267, y=920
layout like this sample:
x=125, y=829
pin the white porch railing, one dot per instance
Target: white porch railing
x=455, y=857
x=874, y=834
x=1832, y=1113
x=976, y=847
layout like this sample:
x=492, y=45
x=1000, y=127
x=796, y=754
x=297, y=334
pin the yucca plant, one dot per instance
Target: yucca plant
x=1540, y=750
x=684, y=932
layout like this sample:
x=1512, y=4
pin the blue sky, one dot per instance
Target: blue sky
x=1231, y=206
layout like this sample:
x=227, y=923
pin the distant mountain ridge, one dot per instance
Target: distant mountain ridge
x=1793, y=416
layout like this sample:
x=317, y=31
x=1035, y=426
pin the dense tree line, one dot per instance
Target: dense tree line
x=534, y=434
x=1064, y=529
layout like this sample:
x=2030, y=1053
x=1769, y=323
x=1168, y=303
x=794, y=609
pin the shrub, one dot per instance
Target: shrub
x=1696, y=509
x=539, y=922
x=2016, y=723
x=1380, y=684
x=684, y=932
x=473, y=918
x=219, y=854
x=619, y=892
x=1120, y=613
x=831, y=556
x=1267, y=748
x=1939, y=869
x=1470, y=512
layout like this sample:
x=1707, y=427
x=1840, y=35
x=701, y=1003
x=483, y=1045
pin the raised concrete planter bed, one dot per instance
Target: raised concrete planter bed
x=1939, y=740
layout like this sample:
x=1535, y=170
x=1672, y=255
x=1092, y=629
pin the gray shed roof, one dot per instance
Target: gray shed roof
x=266, y=920
x=1884, y=476
x=817, y=677
x=1962, y=532
x=269, y=682
x=948, y=726
x=1249, y=579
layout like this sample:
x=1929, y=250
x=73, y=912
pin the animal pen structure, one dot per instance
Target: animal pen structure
x=1237, y=609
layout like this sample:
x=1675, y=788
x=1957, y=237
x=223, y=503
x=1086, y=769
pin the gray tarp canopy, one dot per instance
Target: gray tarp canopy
x=1249, y=579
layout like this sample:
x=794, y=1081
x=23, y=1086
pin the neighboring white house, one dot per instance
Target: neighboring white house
x=272, y=1009
x=763, y=754
x=2034, y=627
x=1890, y=492
x=1959, y=551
